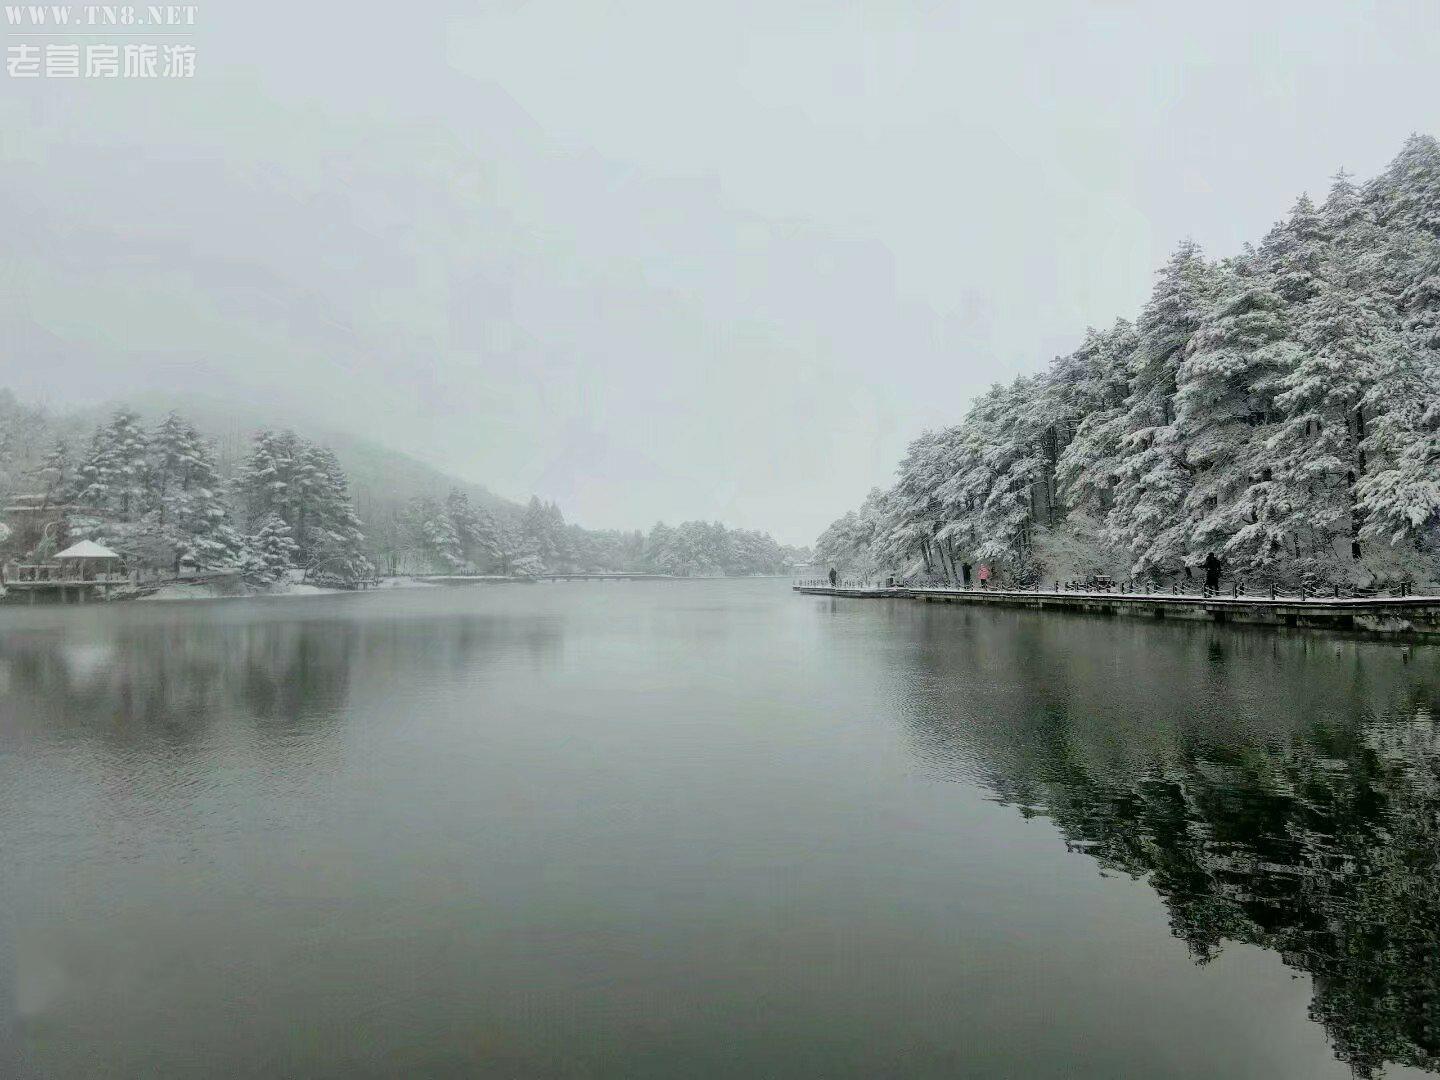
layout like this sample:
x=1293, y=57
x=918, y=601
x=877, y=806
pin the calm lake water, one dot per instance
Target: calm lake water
x=709, y=829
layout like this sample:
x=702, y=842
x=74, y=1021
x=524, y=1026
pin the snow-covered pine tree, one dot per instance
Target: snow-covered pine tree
x=932, y=460
x=1101, y=371
x=537, y=530
x=435, y=534
x=1399, y=496
x=560, y=554
x=53, y=473
x=1407, y=194
x=173, y=445
x=333, y=540
x=187, y=499
x=25, y=435
x=1293, y=252
x=1226, y=413
x=262, y=484
x=880, y=519
x=1400, y=491
x=852, y=542
x=305, y=485
x=1152, y=474
x=465, y=521
x=270, y=553
x=112, y=478
x=490, y=540
x=990, y=502
x=1347, y=334
x=510, y=547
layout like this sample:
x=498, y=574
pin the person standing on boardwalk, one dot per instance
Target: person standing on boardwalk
x=832, y=577
x=1212, y=573
x=984, y=575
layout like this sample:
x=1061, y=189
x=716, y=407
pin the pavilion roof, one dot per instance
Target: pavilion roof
x=86, y=549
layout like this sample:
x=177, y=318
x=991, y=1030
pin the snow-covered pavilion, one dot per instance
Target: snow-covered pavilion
x=89, y=561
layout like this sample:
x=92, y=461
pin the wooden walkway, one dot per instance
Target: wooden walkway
x=1407, y=616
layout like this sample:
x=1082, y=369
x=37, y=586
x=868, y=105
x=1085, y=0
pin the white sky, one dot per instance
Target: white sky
x=662, y=260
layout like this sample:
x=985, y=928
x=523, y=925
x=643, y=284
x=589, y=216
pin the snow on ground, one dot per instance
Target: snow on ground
x=229, y=590
x=299, y=588
x=190, y=592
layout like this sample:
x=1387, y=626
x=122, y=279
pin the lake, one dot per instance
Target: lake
x=709, y=828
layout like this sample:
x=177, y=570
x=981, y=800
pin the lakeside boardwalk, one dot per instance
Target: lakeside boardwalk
x=1399, y=616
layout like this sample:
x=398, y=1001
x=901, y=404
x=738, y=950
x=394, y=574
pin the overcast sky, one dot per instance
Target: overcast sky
x=662, y=259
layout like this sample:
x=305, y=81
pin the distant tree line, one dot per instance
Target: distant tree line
x=1280, y=408
x=157, y=495
x=455, y=536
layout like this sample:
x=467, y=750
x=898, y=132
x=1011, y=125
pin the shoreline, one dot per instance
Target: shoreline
x=1410, y=617
x=231, y=588
x=180, y=591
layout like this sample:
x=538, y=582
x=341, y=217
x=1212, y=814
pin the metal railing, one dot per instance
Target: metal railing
x=865, y=583
x=1238, y=589
x=53, y=573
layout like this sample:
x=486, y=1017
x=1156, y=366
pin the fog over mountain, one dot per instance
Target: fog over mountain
x=661, y=261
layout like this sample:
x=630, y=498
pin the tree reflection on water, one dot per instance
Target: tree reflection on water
x=1277, y=791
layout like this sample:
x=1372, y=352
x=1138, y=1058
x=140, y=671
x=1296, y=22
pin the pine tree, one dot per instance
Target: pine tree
x=1407, y=194
x=1399, y=495
x=435, y=533
x=537, y=531
x=1226, y=412
x=1293, y=252
x=332, y=540
x=262, y=484
x=561, y=556
x=270, y=554
x=112, y=479
x=187, y=499
x=1098, y=377
x=305, y=485
x=489, y=541
x=53, y=473
x=173, y=447
x=1153, y=476
x=1317, y=452
x=855, y=541
x=465, y=522
x=511, y=549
